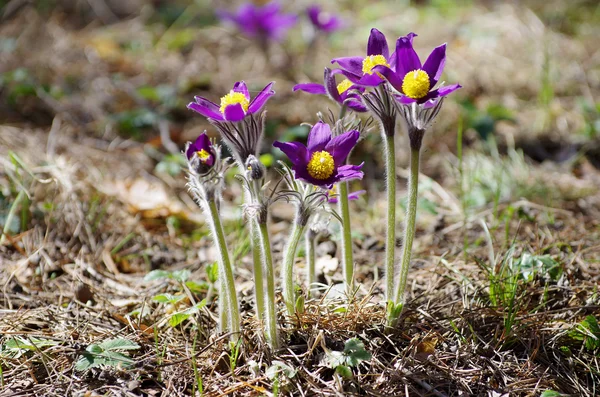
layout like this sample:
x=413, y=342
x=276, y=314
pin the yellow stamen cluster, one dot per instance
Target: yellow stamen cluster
x=203, y=155
x=321, y=165
x=416, y=84
x=343, y=86
x=232, y=98
x=373, y=60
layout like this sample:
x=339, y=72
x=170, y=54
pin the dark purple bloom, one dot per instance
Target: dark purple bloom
x=235, y=105
x=415, y=81
x=321, y=162
x=343, y=93
x=332, y=195
x=261, y=21
x=201, y=154
x=359, y=70
x=322, y=20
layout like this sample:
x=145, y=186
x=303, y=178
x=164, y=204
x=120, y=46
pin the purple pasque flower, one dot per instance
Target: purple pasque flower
x=201, y=155
x=322, y=161
x=359, y=70
x=415, y=81
x=343, y=93
x=322, y=20
x=235, y=105
x=332, y=195
x=267, y=22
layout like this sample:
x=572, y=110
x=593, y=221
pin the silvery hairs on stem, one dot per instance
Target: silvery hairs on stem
x=206, y=183
x=242, y=137
x=419, y=117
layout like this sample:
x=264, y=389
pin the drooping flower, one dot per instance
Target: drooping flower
x=416, y=81
x=332, y=195
x=343, y=93
x=200, y=154
x=321, y=162
x=322, y=20
x=265, y=22
x=359, y=70
x=235, y=105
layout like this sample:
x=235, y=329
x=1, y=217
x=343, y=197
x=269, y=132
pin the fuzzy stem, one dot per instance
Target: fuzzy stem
x=287, y=272
x=259, y=295
x=390, y=245
x=271, y=312
x=310, y=239
x=229, y=293
x=223, y=305
x=409, y=229
x=344, y=209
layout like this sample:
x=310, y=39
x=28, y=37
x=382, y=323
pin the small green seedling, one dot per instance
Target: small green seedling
x=354, y=353
x=107, y=353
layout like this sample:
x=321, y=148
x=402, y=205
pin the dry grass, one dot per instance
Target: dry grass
x=98, y=216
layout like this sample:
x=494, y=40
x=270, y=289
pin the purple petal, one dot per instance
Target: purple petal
x=341, y=145
x=295, y=151
x=403, y=99
x=234, y=112
x=330, y=85
x=259, y=101
x=390, y=76
x=313, y=13
x=377, y=44
x=351, y=64
x=434, y=65
x=240, y=86
x=356, y=195
x=407, y=59
x=355, y=105
x=318, y=137
x=348, y=172
x=370, y=80
x=311, y=88
x=440, y=92
x=206, y=108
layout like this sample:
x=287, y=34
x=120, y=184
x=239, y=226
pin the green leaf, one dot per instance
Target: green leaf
x=551, y=393
x=167, y=298
x=180, y=317
x=344, y=371
x=119, y=344
x=212, y=272
x=279, y=367
x=181, y=275
x=335, y=358
x=197, y=288
x=157, y=275
x=355, y=352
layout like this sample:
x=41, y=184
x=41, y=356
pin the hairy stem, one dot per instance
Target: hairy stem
x=271, y=312
x=390, y=242
x=409, y=229
x=310, y=239
x=344, y=209
x=287, y=272
x=259, y=289
x=227, y=284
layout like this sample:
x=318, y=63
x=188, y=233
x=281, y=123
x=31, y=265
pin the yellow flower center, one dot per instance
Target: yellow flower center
x=232, y=98
x=416, y=84
x=203, y=155
x=373, y=60
x=343, y=86
x=321, y=165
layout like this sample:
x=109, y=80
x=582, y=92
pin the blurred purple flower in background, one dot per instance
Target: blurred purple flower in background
x=342, y=93
x=359, y=70
x=235, y=105
x=321, y=162
x=264, y=22
x=322, y=20
x=414, y=81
